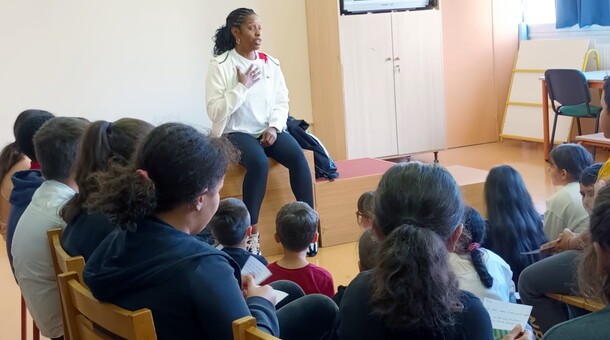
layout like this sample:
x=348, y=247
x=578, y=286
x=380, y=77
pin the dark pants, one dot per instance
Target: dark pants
x=254, y=157
x=308, y=317
x=555, y=274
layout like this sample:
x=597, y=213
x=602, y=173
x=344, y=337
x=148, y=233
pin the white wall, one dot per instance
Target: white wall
x=137, y=58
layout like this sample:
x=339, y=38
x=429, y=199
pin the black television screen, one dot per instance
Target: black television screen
x=368, y=6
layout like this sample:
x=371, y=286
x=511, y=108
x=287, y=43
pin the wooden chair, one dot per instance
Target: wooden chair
x=578, y=301
x=89, y=319
x=62, y=261
x=245, y=329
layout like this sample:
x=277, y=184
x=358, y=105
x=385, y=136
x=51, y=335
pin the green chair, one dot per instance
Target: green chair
x=569, y=94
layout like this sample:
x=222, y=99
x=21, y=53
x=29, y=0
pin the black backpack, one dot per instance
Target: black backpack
x=324, y=164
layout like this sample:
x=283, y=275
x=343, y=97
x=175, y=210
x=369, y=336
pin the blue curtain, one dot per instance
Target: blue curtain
x=582, y=12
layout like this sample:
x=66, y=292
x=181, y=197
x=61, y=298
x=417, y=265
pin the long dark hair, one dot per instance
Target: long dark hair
x=591, y=282
x=514, y=224
x=102, y=143
x=174, y=164
x=417, y=209
x=472, y=237
x=224, y=39
x=11, y=154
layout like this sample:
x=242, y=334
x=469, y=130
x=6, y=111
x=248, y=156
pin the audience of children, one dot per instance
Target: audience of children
x=412, y=292
x=231, y=227
x=12, y=159
x=515, y=227
x=296, y=226
x=364, y=215
x=159, y=209
x=103, y=143
x=195, y=291
x=479, y=270
x=593, y=278
x=24, y=182
x=557, y=273
x=57, y=144
x=564, y=209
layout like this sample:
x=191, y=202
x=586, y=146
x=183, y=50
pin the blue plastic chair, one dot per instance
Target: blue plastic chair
x=569, y=94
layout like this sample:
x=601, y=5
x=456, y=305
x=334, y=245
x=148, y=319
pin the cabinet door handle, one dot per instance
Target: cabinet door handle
x=388, y=59
x=397, y=59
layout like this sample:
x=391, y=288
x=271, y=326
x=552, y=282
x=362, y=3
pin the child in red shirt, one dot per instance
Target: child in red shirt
x=296, y=226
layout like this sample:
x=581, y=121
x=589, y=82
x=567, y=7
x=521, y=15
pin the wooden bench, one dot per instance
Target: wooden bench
x=577, y=301
x=595, y=139
x=278, y=194
x=472, y=184
x=336, y=201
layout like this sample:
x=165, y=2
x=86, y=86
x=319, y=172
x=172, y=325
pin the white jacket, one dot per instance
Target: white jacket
x=234, y=108
x=32, y=257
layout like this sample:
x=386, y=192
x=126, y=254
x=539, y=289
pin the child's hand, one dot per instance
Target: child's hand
x=564, y=240
x=517, y=333
x=249, y=289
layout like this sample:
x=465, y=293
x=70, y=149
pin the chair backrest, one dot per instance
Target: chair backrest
x=245, y=329
x=87, y=318
x=62, y=261
x=567, y=87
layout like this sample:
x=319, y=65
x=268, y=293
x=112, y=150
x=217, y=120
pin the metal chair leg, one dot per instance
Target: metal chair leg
x=553, y=133
x=578, y=125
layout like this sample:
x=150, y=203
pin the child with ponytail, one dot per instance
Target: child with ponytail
x=479, y=270
x=412, y=292
x=104, y=143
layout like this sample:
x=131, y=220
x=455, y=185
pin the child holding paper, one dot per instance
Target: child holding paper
x=296, y=227
x=592, y=278
x=231, y=227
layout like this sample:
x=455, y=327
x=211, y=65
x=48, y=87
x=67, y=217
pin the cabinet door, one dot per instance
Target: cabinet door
x=366, y=55
x=419, y=89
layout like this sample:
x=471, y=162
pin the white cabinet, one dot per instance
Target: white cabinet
x=393, y=83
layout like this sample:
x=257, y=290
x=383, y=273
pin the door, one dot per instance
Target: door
x=419, y=89
x=366, y=55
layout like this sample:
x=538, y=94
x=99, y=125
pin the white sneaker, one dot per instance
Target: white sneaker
x=253, y=245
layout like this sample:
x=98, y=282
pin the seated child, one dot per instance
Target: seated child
x=479, y=270
x=564, y=208
x=57, y=143
x=296, y=227
x=24, y=182
x=231, y=227
x=367, y=253
x=364, y=215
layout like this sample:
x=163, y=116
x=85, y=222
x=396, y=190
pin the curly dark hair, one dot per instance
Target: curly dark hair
x=180, y=163
x=417, y=209
x=103, y=143
x=224, y=39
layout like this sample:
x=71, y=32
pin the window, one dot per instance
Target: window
x=539, y=11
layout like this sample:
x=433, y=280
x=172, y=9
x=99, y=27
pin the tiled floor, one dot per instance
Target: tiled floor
x=342, y=260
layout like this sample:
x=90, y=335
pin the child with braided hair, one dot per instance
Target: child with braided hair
x=479, y=270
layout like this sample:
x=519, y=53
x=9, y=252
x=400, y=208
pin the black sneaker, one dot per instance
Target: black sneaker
x=312, y=250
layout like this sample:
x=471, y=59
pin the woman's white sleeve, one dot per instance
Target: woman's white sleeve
x=279, y=115
x=220, y=101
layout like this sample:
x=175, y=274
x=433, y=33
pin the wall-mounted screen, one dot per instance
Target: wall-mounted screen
x=366, y=6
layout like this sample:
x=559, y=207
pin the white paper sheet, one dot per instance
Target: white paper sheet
x=505, y=315
x=257, y=269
